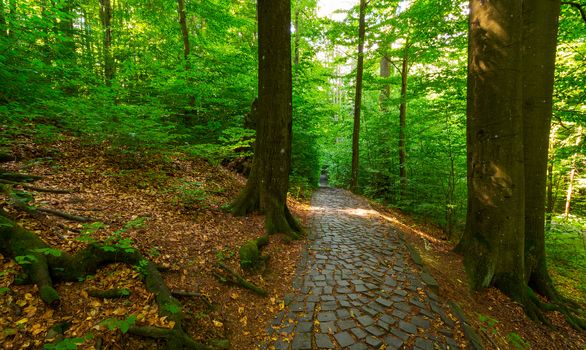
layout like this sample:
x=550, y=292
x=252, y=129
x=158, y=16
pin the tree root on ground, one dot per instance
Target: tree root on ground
x=535, y=308
x=46, y=266
x=229, y=276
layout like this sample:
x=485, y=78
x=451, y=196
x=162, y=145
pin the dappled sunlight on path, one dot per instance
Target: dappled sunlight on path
x=358, y=288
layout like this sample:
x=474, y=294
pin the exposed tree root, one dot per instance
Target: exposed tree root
x=109, y=294
x=64, y=215
x=46, y=265
x=35, y=188
x=229, y=276
x=19, y=177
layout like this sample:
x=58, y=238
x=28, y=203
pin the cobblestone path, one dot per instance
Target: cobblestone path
x=358, y=288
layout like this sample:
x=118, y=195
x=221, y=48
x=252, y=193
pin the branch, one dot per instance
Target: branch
x=580, y=8
x=235, y=278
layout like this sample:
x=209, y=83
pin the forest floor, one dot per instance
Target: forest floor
x=173, y=209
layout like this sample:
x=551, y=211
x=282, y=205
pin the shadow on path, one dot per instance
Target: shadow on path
x=358, y=288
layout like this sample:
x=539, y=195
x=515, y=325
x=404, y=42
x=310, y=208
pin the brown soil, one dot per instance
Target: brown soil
x=174, y=205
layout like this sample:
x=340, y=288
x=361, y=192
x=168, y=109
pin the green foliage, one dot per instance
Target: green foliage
x=566, y=254
x=48, y=251
x=68, y=343
x=517, y=342
x=172, y=308
x=4, y=290
x=141, y=267
x=191, y=194
x=25, y=259
x=137, y=223
x=122, y=325
x=225, y=254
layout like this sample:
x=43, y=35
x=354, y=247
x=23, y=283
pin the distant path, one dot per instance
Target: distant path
x=358, y=288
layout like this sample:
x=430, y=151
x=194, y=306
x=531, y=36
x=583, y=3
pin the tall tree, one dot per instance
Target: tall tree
x=358, y=97
x=403, y=120
x=3, y=28
x=106, y=19
x=509, y=111
x=186, y=52
x=266, y=189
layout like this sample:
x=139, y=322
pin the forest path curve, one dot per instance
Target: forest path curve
x=357, y=287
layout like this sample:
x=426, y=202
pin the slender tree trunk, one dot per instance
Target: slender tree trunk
x=385, y=73
x=186, y=55
x=297, y=35
x=266, y=189
x=493, y=242
x=403, y=122
x=549, y=208
x=106, y=19
x=572, y=178
x=3, y=26
x=540, y=23
x=358, y=98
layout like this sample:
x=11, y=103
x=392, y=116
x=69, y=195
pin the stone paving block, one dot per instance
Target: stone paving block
x=358, y=346
x=421, y=322
x=423, y=344
x=403, y=307
x=346, y=324
x=399, y=314
x=327, y=298
x=304, y=327
x=374, y=330
x=408, y=327
x=372, y=341
x=342, y=313
x=326, y=316
x=384, y=302
x=301, y=341
x=323, y=341
x=400, y=334
x=393, y=343
x=370, y=311
x=281, y=345
x=328, y=327
x=365, y=321
x=359, y=332
x=329, y=306
x=344, y=339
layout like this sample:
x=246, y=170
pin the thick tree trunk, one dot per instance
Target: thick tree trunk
x=106, y=19
x=493, y=242
x=266, y=189
x=540, y=24
x=403, y=121
x=358, y=98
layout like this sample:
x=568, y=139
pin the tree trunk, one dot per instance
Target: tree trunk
x=385, y=73
x=186, y=56
x=297, y=35
x=494, y=237
x=266, y=189
x=540, y=24
x=403, y=121
x=106, y=19
x=358, y=98
x=3, y=26
x=572, y=178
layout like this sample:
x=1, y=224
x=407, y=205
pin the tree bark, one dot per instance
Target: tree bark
x=572, y=178
x=403, y=121
x=266, y=188
x=106, y=19
x=3, y=26
x=358, y=98
x=540, y=25
x=186, y=52
x=494, y=236
x=297, y=35
x=385, y=73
